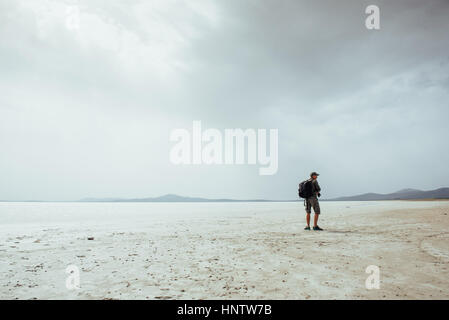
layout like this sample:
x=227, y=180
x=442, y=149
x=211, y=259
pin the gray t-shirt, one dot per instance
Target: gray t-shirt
x=315, y=187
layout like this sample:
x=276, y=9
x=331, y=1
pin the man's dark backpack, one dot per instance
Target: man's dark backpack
x=305, y=189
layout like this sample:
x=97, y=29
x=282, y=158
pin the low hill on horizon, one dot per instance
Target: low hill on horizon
x=404, y=194
x=169, y=198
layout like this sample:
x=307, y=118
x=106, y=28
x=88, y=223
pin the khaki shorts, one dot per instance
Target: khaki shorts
x=312, y=202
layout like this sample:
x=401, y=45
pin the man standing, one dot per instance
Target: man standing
x=312, y=202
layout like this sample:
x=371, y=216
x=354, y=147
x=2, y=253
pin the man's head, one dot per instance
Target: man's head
x=314, y=175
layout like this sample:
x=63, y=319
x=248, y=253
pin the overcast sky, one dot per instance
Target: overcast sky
x=90, y=91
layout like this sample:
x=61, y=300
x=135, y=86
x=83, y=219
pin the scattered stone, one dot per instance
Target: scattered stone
x=90, y=238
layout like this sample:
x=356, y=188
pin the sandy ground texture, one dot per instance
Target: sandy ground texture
x=251, y=256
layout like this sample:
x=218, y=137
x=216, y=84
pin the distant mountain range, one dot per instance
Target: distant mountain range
x=404, y=194
x=169, y=198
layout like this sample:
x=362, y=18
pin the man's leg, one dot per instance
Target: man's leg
x=315, y=219
x=317, y=211
x=308, y=212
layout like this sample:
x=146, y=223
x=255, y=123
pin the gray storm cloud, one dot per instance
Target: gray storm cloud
x=92, y=89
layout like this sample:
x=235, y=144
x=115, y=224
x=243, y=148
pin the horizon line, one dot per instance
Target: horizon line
x=201, y=199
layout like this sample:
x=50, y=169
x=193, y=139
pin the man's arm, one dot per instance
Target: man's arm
x=317, y=188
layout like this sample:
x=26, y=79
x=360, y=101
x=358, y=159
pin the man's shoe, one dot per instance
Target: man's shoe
x=317, y=228
x=307, y=228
